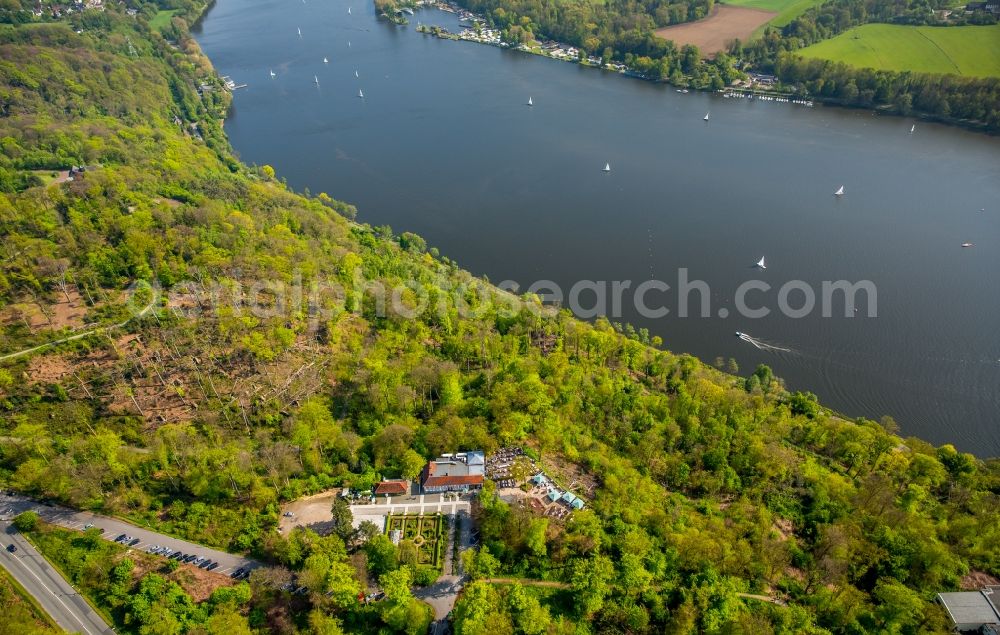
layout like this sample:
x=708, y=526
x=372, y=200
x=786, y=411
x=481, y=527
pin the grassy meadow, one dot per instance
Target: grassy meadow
x=787, y=10
x=966, y=50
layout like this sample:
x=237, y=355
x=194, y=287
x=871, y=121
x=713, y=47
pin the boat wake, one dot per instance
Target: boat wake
x=762, y=345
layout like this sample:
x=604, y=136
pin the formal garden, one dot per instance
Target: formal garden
x=424, y=533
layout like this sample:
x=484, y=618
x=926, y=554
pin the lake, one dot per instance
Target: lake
x=444, y=146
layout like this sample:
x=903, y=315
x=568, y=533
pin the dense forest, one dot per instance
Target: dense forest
x=262, y=345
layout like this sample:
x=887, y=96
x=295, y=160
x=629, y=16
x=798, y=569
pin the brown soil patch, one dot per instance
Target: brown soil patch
x=715, y=32
x=56, y=316
x=976, y=580
x=48, y=369
x=196, y=582
x=784, y=528
x=569, y=476
x=170, y=202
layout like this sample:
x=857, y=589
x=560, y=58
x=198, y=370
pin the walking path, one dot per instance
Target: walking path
x=101, y=329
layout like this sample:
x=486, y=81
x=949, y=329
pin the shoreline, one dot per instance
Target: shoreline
x=750, y=88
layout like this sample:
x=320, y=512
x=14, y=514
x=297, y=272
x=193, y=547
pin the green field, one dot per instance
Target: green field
x=162, y=20
x=787, y=10
x=959, y=50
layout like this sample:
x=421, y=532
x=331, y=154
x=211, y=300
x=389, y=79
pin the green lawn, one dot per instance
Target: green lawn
x=162, y=20
x=787, y=10
x=960, y=50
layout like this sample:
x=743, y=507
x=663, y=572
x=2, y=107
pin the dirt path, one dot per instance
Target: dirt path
x=78, y=336
x=763, y=598
x=528, y=582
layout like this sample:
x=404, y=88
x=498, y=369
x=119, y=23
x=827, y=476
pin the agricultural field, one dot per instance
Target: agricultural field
x=714, y=33
x=960, y=50
x=426, y=534
x=786, y=10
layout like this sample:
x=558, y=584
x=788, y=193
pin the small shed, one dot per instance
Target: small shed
x=392, y=487
x=577, y=504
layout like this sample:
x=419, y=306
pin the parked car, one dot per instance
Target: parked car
x=237, y=573
x=212, y=566
x=120, y=537
x=134, y=542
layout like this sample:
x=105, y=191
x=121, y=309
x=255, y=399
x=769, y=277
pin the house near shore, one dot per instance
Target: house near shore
x=990, y=6
x=460, y=472
x=973, y=611
x=392, y=487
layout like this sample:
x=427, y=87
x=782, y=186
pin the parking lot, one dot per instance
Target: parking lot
x=111, y=528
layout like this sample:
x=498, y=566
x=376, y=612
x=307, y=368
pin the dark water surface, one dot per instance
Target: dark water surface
x=442, y=145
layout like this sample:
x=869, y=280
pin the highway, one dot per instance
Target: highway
x=12, y=504
x=60, y=600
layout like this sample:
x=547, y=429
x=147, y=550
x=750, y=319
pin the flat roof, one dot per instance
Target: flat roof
x=970, y=607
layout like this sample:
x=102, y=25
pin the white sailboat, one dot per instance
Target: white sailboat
x=356, y=74
x=299, y=29
x=326, y=61
x=348, y=10
x=315, y=79
x=840, y=191
x=607, y=167
x=361, y=94
x=348, y=44
x=706, y=115
x=912, y=128
x=760, y=263
x=530, y=103
x=272, y=74
x=968, y=245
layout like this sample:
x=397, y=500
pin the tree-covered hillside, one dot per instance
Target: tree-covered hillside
x=244, y=345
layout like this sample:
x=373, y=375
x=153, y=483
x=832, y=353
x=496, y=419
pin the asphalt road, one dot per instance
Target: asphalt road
x=72, y=519
x=442, y=594
x=60, y=600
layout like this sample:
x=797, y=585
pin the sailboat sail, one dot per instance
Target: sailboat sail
x=607, y=167
x=760, y=263
x=840, y=191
